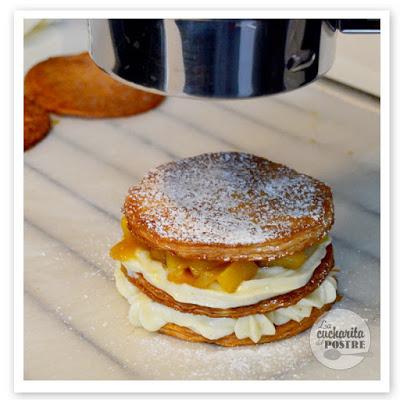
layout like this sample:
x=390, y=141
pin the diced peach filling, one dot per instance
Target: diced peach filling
x=296, y=260
x=203, y=273
x=235, y=273
x=125, y=249
x=293, y=261
x=198, y=273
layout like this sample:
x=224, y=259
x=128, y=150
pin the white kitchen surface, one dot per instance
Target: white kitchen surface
x=76, y=323
x=357, y=62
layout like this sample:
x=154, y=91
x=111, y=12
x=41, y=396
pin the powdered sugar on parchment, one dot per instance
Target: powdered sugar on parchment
x=226, y=198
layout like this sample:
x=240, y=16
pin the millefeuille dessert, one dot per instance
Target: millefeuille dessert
x=226, y=248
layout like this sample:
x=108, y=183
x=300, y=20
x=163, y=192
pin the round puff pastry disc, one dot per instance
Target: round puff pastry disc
x=74, y=85
x=36, y=123
x=228, y=206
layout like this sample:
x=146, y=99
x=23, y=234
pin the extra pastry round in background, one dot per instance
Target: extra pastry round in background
x=36, y=123
x=228, y=206
x=74, y=85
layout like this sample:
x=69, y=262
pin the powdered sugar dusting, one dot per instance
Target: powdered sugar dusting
x=204, y=361
x=226, y=198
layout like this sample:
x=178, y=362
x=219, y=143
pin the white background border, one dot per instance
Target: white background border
x=20, y=385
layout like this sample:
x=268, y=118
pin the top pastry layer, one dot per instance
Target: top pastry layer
x=228, y=206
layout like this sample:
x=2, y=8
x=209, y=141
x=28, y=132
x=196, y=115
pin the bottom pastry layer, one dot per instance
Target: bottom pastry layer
x=291, y=328
x=251, y=329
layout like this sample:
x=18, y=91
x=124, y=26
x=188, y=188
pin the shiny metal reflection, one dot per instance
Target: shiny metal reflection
x=214, y=58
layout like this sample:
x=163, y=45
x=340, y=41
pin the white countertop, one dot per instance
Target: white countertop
x=76, y=323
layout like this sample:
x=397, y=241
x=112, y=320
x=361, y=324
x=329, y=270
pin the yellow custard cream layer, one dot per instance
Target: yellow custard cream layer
x=152, y=316
x=268, y=281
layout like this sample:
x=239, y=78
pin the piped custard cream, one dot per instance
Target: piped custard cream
x=267, y=282
x=152, y=316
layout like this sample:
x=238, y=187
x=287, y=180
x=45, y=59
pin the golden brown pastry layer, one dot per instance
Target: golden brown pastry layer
x=228, y=206
x=36, y=123
x=284, y=300
x=74, y=85
x=284, y=331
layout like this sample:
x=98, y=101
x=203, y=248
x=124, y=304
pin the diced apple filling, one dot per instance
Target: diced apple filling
x=203, y=273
